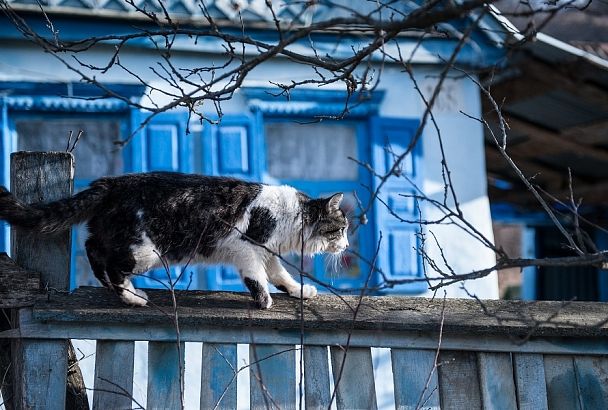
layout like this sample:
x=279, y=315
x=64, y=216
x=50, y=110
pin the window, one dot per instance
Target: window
x=95, y=155
x=311, y=151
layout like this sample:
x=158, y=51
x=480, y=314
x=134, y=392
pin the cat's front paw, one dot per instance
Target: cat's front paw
x=305, y=292
x=135, y=297
x=264, y=302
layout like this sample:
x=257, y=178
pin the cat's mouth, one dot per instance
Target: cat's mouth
x=336, y=249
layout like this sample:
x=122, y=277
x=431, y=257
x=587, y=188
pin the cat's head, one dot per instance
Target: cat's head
x=327, y=226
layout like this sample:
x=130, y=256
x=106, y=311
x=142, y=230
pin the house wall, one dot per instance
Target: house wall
x=462, y=137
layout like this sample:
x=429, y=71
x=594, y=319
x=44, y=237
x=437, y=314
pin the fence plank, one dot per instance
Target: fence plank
x=354, y=386
x=562, y=389
x=316, y=377
x=415, y=379
x=530, y=381
x=496, y=381
x=592, y=377
x=459, y=381
x=377, y=316
x=218, y=379
x=41, y=366
x=113, y=375
x=272, y=376
x=165, y=375
x=64, y=325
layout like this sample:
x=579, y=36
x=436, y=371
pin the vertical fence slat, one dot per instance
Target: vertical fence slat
x=496, y=381
x=415, y=379
x=530, y=381
x=355, y=387
x=113, y=375
x=562, y=389
x=459, y=381
x=165, y=372
x=272, y=376
x=43, y=371
x=41, y=365
x=592, y=377
x=316, y=377
x=218, y=379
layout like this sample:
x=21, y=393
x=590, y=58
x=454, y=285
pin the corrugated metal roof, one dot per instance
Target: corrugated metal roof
x=556, y=110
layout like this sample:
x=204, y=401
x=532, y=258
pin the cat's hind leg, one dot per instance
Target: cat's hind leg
x=97, y=260
x=282, y=280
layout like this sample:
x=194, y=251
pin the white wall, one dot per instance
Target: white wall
x=462, y=137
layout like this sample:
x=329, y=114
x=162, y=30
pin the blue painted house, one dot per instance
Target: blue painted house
x=266, y=138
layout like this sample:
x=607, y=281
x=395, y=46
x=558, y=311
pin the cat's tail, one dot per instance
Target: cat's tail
x=52, y=216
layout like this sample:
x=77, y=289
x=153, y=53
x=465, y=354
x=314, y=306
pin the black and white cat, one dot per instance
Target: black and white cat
x=132, y=219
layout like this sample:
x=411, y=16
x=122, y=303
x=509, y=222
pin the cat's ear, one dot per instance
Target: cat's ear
x=333, y=203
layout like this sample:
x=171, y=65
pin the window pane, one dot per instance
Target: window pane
x=95, y=155
x=311, y=151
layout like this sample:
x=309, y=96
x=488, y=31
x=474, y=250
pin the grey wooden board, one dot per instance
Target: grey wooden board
x=18, y=286
x=165, y=373
x=272, y=376
x=459, y=381
x=218, y=378
x=415, y=379
x=326, y=312
x=354, y=382
x=592, y=378
x=42, y=177
x=42, y=375
x=42, y=365
x=529, y=370
x=316, y=377
x=113, y=384
x=208, y=333
x=562, y=388
x=496, y=381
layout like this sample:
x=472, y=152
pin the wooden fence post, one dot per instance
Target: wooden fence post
x=41, y=366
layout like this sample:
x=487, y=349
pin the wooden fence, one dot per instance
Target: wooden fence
x=452, y=354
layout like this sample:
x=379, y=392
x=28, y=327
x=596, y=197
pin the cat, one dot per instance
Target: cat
x=134, y=218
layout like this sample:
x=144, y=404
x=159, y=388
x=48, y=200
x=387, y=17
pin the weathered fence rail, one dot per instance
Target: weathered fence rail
x=452, y=354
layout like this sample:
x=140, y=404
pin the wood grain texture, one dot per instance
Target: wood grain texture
x=354, y=385
x=41, y=365
x=50, y=329
x=165, y=373
x=415, y=379
x=218, y=379
x=19, y=287
x=562, y=387
x=272, y=377
x=316, y=377
x=592, y=378
x=41, y=375
x=113, y=387
x=459, y=381
x=496, y=381
x=530, y=381
x=386, y=313
x=36, y=178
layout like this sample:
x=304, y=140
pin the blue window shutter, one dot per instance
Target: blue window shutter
x=398, y=257
x=166, y=147
x=231, y=148
x=5, y=135
x=162, y=145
